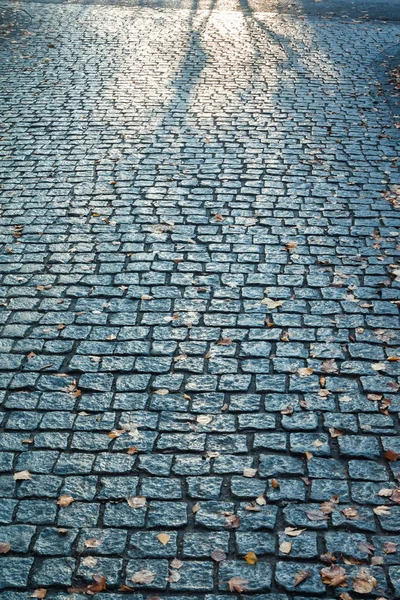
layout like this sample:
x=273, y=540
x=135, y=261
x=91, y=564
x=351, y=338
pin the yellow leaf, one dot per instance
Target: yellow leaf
x=251, y=558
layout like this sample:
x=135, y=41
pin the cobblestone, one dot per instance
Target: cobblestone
x=199, y=304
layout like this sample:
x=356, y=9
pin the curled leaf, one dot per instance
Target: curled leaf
x=237, y=584
x=364, y=582
x=333, y=576
x=300, y=577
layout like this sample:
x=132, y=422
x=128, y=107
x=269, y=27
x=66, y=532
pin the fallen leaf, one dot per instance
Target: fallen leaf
x=378, y=366
x=271, y=304
x=5, y=547
x=333, y=576
x=391, y=455
x=345, y=596
x=144, y=577
x=65, y=501
x=249, y=472
x=381, y=510
x=366, y=547
x=133, y=450
x=237, y=584
x=116, y=433
x=330, y=366
x=300, y=577
x=93, y=543
x=390, y=548
x=232, y=521
x=22, y=475
x=334, y=433
x=224, y=342
x=285, y=547
x=204, y=419
x=136, y=501
x=316, y=515
x=39, y=593
x=275, y=484
x=161, y=392
x=317, y=444
x=195, y=507
x=174, y=576
x=89, y=561
x=395, y=497
x=218, y=555
x=385, y=492
x=350, y=513
x=164, y=538
x=146, y=297
x=260, y=500
x=364, y=582
x=308, y=455
x=292, y=531
x=176, y=563
x=251, y=558
x=305, y=371
x=98, y=586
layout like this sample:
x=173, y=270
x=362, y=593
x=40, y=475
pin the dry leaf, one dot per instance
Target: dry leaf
x=305, y=371
x=378, y=366
x=391, y=455
x=364, y=582
x=249, y=472
x=390, y=548
x=261, y=501
x=271, y=304
x=65, y=501
x=144, y=577
x=316, y=515
x=300, y=577
x=345, y=596
x=317, y=444
x=334, y=433
x=174, y=576
x=385, y=492
x=204, y=419
x=98, y=586
x=275, y=484
x=224, y=342
x=93, y=543
x=293, y=532
x=22, y=475
x=285, y=547
x=162, y=392
x=308, y=455
x=89, y=561
x=39, y=593
x=333, y=576
x=136, y=501
x=176, y=563
x=5, y=547
x=237, y=584
x=195, y=507
x=350, y=513
x=381, y=510
x=329, y=366
x=395, y=497
x=218, y=555
x=164, y=538
x=232, y=521
x=251, y=558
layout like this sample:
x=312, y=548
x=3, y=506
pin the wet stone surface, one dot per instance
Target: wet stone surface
x=199, y=305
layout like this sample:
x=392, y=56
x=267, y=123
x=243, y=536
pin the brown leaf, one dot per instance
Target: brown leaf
x=5, y=547
x=350, y=513
x=133, y=450
x=65, y=501
x=196, y=507
x=22, y=475
x=39, y=593
x=136, y=501
x=334, y=433
x=218, y=555
x=345, y=596
x=232, y=521
x=224, y=342
x=174, y=576
x=390, y=548
x=334, y=576
x=395, y=497
x=366, y=547
x=292, y=532
x=391, y=455
x=305, y=371
x=285, y=547
x=144, y=577
x=300, y=577
x=364, y=582
x=275, y=484
x=237, y=584
x=98, y=586
x=251, y=558
x=287, y=411
x=163, y=538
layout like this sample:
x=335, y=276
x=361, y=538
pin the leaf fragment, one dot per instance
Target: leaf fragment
x=144, y=577
x=136, y=501
x=285, y=547
x=65, y=501
x=163, y=538
x=22, y=476
x=218, y=555
x=237, y=584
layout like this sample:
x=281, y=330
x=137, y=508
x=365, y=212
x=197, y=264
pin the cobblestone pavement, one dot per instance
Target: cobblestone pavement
x=199, y=343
